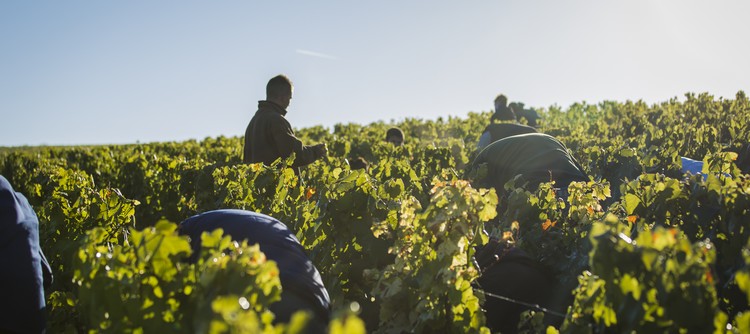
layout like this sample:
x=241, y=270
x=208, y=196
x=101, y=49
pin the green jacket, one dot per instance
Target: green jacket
x=536, y=156
x=269, y=137
x=497, y=131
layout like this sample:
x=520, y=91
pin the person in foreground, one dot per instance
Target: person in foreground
x=269, y=135
x=536, y=157
x=512, y=281
x=26, y=271
x=302, y=287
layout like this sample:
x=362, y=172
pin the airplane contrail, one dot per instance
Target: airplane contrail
x=316, y=54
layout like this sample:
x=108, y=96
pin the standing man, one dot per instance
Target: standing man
x=269, y=135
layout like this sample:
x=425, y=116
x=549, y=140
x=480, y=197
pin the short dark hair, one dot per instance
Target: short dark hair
x=394, y=132
x=503, y=98
x=278, y=86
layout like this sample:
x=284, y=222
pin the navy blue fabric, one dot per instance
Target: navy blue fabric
x=22, y=305
x=297, y=273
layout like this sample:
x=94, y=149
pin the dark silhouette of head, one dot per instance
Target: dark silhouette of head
x=395, y=136
x=502, y=111
x=501, y=100
x=279, y=90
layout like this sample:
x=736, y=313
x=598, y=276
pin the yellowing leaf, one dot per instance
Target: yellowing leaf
x=547, y=224
x=349, y=325
x=309, y=193
x=507, y=235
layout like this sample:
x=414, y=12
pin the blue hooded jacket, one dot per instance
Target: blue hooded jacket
x=300, y=281
x=23, y=264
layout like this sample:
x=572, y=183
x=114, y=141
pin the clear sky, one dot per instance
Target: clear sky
x=101, y=72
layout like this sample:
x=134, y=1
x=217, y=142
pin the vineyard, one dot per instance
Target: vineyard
x=641, y=247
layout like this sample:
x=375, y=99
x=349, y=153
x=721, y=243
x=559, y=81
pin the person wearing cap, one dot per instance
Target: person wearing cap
x=269, y=136
x=301, y=284
x=25, y=270
x=537, y=157
x=395, y=136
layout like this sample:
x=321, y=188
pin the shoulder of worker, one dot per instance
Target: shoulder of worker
x=272, y=113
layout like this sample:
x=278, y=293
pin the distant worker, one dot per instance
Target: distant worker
x=502, y=124
x=359, y=163
x=530, y=115
x=269, y=135
x=301, y=284
x=695, y=167
x=26, y=271
x=691, y=166
x=536, y=157
x=502, y=110
x=395, y=136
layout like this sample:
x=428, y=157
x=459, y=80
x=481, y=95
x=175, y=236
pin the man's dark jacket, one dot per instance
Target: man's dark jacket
x=503, y=113
x=269, y=137
x=24, y=267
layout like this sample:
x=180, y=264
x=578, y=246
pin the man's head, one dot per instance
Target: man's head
x=395, y=136
x=501, y=100
x=279, y=90
x=502, y=111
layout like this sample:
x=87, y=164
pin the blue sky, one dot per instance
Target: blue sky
x=85, y=72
